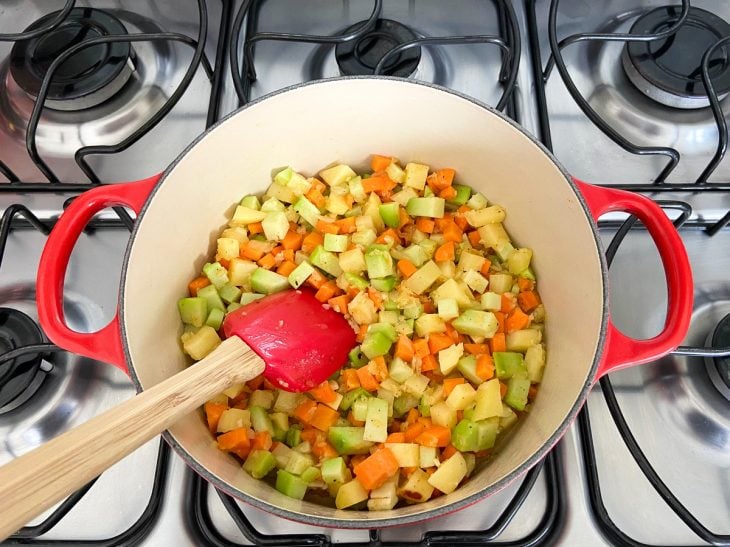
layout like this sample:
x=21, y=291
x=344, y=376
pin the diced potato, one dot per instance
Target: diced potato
x=376, y=421
x=234, y=390
x=234, y=418
x=508, y=419
x=407, y=454
x=476, y=281
x=362, y=309
x=521, y=340
x=443, y=415
x=282, y=453
x=417, y=488
x=228, y=248
x=427, y=456
x=396, y=173
x=200, y=343
x=449, y=358
x=240, y=270
x=239, y=233
x=488, y=401
x=488, y=215
x=535, y=362
x=461, y=396
x=500, y=282
x=245, y=215
x=286, y=401
x=416, y=384
x=337, y=174
x=350, y=493
x=471, y=261
x=416, y=174
x=448, y=308
x=428, y=323
x=493, y=235
x=519, y=261
x=451, y=289
x=282, y=193
x=449, y=474
x=423, y=278
x=491, y=301
x=352, y=261
x=263, y=398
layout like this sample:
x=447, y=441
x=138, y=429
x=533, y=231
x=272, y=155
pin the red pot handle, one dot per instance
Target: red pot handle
x=105, y=344
x=620, y=350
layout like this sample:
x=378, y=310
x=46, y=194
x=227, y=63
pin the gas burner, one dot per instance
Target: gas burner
x=87, y=78
x=361, y=56
x=669, y=71
x=719, y=367
x=20, y=377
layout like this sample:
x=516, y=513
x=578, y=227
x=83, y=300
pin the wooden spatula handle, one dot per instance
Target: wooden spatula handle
x=36, y=481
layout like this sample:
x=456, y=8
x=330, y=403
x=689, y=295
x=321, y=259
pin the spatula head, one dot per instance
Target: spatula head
x=302, y=341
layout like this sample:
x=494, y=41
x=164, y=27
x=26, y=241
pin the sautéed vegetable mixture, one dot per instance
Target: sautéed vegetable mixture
x=448, y=319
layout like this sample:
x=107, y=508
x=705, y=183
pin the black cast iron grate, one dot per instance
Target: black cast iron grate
x=660, y=187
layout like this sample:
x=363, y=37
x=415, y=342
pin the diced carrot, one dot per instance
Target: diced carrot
x=324, y=417
x=517, y=320
x=255, y=383
x=357, y=459
x=213, y=413
x=311, y=241
x=398, y=437
x=528, y=301
x=502, y=389
x=326, y=291
x=403, y=218
x=452, y=333
x=324, y=450
x=196, y=284
x=476, y=349
x=324, y=393
x=318, y=184
x=223, y=262
x=500, y=321
x=375, y=297
x=474, y=238
x=389, y=236
x=346, y=225
x=438, y=341
x=508, y=303
x=267, y=261
x=445, y=177
x=351, y=419
x=376, y=468
x=349, y=379
x=448, y=193
x=485, y=267
x=255, y=228
x=305, y=410
x=404, y=348
x=532, y=393
x=361, y=333
x=420, y=347
x=286, y=267
x=428, y=363
x=316, y=279
x=412, y=416
x=445, y=252
x=407, y=471
x=378, y=183
x=461, y=222
x=406, y=267
x=367, y=380
x=425, y=224
x=311, y=435
x=413, y=431
x=261, y=441
x=288, y=255
x=327, y=227
x=498, y=343
x=250, y=252
x=447, y=452
x=435, y=436
x=292, y=240
x=339, y=303
x=236, y=441
x=452, y=232
x=314, y=194
x=451, y=383
x=378, y=368
x=380, y=163
x=485, y=366
x=525, y=284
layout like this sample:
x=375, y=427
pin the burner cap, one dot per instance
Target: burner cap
x=361, y=56
x=17, y=330
x=719, y=367
x=85, y=79
x=670, y=70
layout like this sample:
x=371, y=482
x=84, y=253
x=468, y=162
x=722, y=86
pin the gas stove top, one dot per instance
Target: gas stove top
x=620, y=94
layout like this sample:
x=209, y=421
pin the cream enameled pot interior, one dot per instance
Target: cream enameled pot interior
x=346, y=120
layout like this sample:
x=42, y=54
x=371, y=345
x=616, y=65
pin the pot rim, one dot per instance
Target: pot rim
x=427, y=514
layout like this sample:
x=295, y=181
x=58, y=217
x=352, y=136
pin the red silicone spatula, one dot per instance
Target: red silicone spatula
x=290, y=336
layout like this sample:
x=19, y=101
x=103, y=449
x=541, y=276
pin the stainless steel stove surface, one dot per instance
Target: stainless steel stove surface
x=648, y=460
